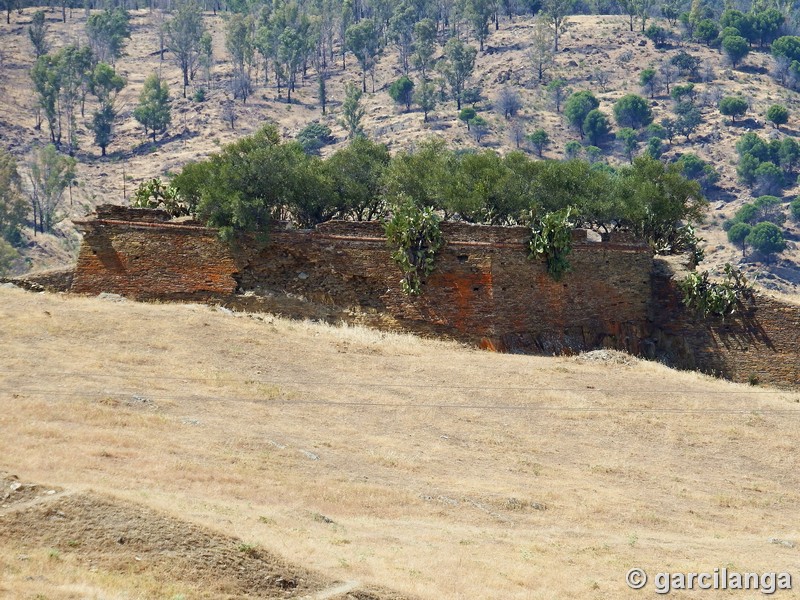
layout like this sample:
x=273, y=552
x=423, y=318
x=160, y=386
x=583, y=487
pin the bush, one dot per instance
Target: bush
x=657, y=34
x=767, y=239
x=706, y=31
x=768, y=178
x=709, y=299
x=551, y=239
x=314, y=136
x=693, y=167
x=466, y=115
x=572, y=149
x=539, y=140
x=627, y=137
x=199, y=95
x=632, y=111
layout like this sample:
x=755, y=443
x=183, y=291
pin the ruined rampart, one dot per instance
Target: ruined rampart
x=485, y=290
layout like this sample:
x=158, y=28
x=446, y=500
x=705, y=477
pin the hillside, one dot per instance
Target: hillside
x=591, y=44
x=380, y=461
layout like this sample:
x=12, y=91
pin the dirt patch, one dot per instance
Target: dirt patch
x=14, y=492
x=124, y=538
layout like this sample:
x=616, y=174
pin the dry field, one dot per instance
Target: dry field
x=591, y=44
x=188, y=452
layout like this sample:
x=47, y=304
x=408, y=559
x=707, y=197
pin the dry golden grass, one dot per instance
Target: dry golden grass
x=591, y=43
x=447, y=472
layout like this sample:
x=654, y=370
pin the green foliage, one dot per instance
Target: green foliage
x=199, y=95
x=184, y=34
x=596, y=127
x=738, y=233
x=466, y=115
x=683, y=93
x=402, y=91
x=768, y=178
x=356, y=175
x=314, y=136
x=572, y=149
x=413, y=233
x=794, y=209
x=735, y=48
x=654, y=148
x=693, y=167
x=632, y=111
x=13, y=207
x=8, y=256
x=539, y=140
x=425, y=97
x=706, y=31
x=657, y=34
x=457, y=66
x=50, y=174
x=557, y=90
x=154, y=194
x=108, y=32
x=352, y=111
x=787, y=47
x=551, y=239
x=577, y=108
x=778, y=115
x=479, y=127
x=733, y=106
x=629, y=140
x=766, y=238
x=687, y=64
x=648, y=79
x=37, y=32
x=716, y=300
x=363, y=39
x=153, y=110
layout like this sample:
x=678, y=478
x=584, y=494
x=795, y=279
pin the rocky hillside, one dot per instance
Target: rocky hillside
x=597, y=53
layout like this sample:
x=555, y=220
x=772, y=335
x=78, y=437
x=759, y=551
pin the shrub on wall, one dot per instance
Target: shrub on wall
x=551, y=239
x=711, y=299
x=413, y=233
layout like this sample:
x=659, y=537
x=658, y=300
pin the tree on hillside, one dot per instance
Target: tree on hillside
x=426, y=98
x=363, y=40
x=577, y=107
x=105, y=85
x=778, y=115
x=629, y=141
x=648, y=79
x=402, y=91
x=557, y=12
x=107, y=32
x=50, y=173
x=13, y=208
x=767, y=239
x=733, y=106
x=735, y=48
x=352, y=111
x=37, y=32
x=737, y=235
x=596, y=127
x=457, y=67
x=632, y=111
x=153, y=110
x=424, y=46
x=508, y=101
x=557, y=90
x=541, y=52
x=478, y=13
x=539, y=140
x=184, y=32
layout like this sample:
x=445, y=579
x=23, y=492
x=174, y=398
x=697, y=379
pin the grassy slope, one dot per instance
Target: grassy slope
x=590, y=43
x=447, y=472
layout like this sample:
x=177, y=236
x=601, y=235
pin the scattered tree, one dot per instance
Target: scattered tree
x=767, y=239
x=50, y=173
x=426, y=98
x=541, y=52
x=184, y=32
x=737, y=235
x=596, y=127
x=12, y=204
x=352, y=111
x=733, y=106
x=629, y=141
x=107, y=32
x=509, y=102
x=37, y=32
x=577, y=108
x=558, y=91
x=735, y=48
x=539, y=140
x=402, y=91
x=457, y=67
x=154, y=108
x=778, y=115
x=632, y=111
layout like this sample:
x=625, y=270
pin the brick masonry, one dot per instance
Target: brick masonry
x=484, y=291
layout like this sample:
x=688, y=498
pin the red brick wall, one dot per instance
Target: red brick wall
x=485, y=290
